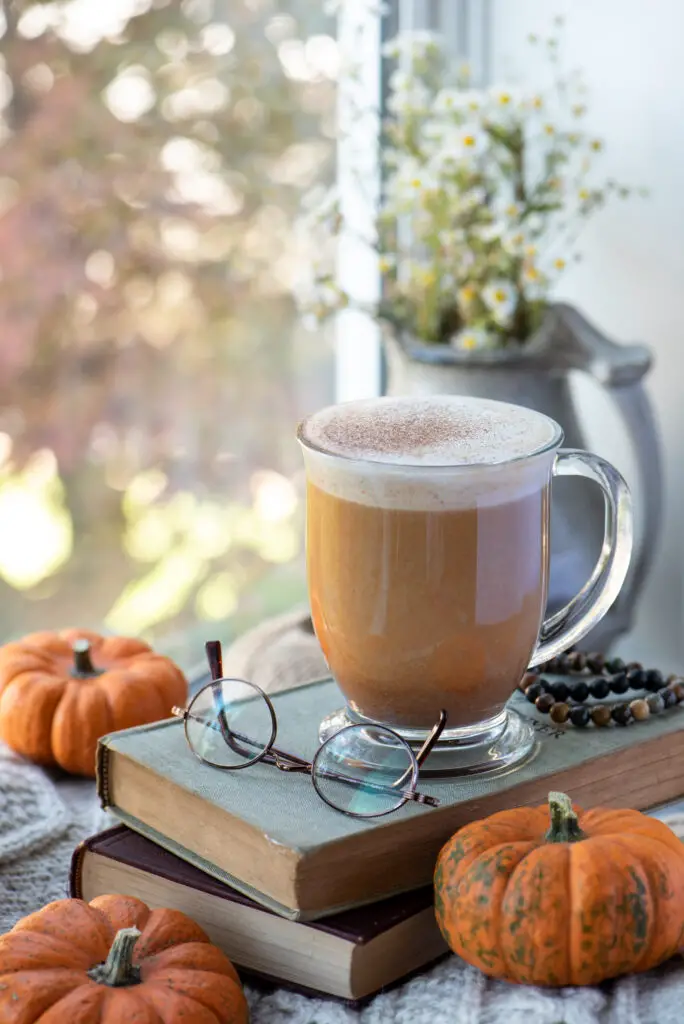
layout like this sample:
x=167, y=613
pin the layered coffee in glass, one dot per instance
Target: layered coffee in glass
x=428, y=562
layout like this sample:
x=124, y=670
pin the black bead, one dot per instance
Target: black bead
x=636, y=677
x=599, y=688
x=653, y=680
x=669, y=697
x=544, y=703
x=596, y=662
x=560, y=690
x=534, y=691
x=621, y=714
x=655, y=703
x=618, y=682
x=615, y=665
x=579, y=691
x=580, y=716
x=553, y=665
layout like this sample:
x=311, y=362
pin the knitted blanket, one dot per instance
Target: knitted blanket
x=42, y=818
x=38, y=833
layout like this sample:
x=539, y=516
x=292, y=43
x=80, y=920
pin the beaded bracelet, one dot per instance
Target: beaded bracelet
x=595, y=676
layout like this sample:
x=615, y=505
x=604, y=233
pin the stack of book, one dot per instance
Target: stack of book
x=300, y=894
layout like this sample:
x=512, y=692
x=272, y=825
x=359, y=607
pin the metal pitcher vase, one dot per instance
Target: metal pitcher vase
x=537, y=376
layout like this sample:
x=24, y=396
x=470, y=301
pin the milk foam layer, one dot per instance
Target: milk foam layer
x=432, y=453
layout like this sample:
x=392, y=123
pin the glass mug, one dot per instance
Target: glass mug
x=428, y=565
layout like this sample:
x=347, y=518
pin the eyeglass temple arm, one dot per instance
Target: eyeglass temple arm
x=214, y=658
x=424, y=751
x=214, y=654
x=436, y=732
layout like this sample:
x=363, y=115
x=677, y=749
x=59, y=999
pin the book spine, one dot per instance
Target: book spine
x=76, y=870
x=78, y=857
x=102, y=775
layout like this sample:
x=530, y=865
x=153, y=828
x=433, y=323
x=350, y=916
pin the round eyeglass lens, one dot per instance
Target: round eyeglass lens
x=364, y=770
x=230, y=723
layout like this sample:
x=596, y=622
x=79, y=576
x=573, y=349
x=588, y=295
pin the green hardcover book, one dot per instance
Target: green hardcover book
x=268, y=834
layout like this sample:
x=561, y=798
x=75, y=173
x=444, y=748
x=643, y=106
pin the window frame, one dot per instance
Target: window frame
x=359, y=364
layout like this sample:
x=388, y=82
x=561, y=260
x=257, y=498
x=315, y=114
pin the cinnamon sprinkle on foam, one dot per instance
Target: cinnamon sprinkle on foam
x=430, y=431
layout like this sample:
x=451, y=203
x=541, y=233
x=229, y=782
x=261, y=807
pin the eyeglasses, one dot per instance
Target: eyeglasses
x=364, y=771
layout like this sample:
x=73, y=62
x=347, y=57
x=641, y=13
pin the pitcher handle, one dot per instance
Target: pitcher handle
x=637, y=415
x=620, y=369
x=567, y=626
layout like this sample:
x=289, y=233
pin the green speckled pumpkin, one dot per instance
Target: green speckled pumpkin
x=593, y=896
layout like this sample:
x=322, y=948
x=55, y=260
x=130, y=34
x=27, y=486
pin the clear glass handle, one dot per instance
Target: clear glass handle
x=567, y=626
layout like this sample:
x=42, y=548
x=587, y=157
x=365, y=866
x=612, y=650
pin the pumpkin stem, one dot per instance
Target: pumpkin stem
x=118, y=969
x=564, y=824
x=83, y=667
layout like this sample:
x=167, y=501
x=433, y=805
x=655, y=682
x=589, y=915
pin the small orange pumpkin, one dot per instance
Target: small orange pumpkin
x=596, y=895
x=60, y=692
x=116, y=960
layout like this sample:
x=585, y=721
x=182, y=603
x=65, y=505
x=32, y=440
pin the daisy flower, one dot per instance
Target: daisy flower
x=513, y=242
x=466, y=295
x=502, y=97
x=471, y=339
x=449, y=101
x=504, y=102
x=500, y=297
x=410, y=180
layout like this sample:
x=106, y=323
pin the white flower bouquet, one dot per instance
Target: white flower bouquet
x=483, y=195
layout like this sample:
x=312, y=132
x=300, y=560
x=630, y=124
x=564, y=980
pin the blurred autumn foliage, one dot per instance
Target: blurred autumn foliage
x=153, y=156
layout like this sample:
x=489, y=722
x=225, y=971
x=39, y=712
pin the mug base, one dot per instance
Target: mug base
x=493, y=747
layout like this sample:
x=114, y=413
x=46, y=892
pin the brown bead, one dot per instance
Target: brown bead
x=640, y=709
x=673, y=681
x=559, y=713
x=577, y=660
x=600, y=715
x=544, y=703
x=528, y=679
x=678, y=691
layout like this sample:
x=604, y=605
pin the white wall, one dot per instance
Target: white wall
x=631, y=280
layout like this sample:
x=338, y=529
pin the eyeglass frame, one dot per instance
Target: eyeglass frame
x=287, y=762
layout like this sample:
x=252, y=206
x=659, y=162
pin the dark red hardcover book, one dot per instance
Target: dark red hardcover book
x=350, y=955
